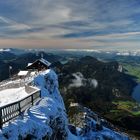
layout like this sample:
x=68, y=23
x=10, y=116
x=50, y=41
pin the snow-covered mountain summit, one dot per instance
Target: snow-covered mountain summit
x=47, y=119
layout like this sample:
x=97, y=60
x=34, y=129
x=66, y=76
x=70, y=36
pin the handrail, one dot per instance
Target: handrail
x=12, y=110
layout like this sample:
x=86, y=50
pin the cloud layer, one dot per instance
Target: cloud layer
x=86, y=24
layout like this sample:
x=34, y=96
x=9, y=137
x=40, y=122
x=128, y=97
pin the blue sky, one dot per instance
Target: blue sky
x=72, y=24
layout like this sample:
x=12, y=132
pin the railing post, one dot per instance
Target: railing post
x=1, y=118
x=32, y=99
x=19, y=108
x=40, y=93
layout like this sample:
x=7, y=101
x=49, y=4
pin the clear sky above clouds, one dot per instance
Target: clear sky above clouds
x=88, y=24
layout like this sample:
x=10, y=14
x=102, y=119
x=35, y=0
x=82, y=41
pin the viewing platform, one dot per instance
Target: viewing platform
x=19, y=92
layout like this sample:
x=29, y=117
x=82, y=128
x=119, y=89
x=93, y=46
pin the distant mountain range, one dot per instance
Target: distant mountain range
x=113, y=52
x=101, y=54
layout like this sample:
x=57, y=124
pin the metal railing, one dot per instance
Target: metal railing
x=11, y=111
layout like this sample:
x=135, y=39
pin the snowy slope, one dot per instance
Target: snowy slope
x=48, y=117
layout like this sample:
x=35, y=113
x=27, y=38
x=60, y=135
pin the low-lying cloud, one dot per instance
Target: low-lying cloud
x=78, y=81
x=81, y=81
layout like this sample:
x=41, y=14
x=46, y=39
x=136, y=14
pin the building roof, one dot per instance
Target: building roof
x=37, y=63
x=22, y=73
x=29, y=64
x=74, y=104
x=45, y=62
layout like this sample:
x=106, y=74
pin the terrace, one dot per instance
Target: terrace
x=15, y=97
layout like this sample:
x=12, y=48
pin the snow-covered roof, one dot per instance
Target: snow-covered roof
x=29, y=64
x=22, y=73
x=45, y=62
x=36, y=64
